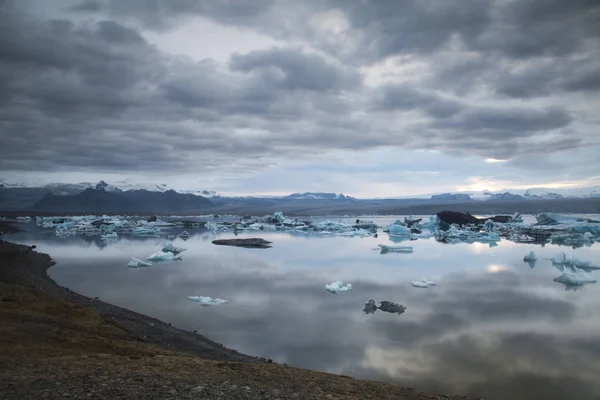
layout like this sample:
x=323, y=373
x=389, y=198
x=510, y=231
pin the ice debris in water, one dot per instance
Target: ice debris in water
x=110, y=236
x=398, y=229
x=137, y=263
x=207, y=301
x=173, y=249
x=530, y=258
x=574, y=277
x=164, y=256
x=337, y=287
x=23, y=219
x=185, y=235
x=423, y=283
x=384, y=249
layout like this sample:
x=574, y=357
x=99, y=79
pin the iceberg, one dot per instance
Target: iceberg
x=144, y=231
x=394, y=249
x=172, y=249
x=23, y=219
x=207, y=301
x=163, y=256
x=137, y=263
x=109, y=236
x=423, y=283
x=337, y=287
x=397, y=229
x=516, y=218
x=185, y=235
x=521, y=238
x=574, y=277
x=530, y=258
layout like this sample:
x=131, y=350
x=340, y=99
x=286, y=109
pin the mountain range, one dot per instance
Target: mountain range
x=126, y=197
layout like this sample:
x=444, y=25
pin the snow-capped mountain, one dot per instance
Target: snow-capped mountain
x=318, y=196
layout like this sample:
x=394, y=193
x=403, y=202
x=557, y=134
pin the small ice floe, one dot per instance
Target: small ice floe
x=384, y=249
x=207, y=301
x=585, y=265
x=23, y=219
x=338, y=287
x=185, y=235
x=173, y=249
x=521, y=238
x=573, y=277
x=110, y=236
x=398, y=229
x=137, y=263
x=171, y=237
x=530, y=258
x=163, y=256
x=423, y=283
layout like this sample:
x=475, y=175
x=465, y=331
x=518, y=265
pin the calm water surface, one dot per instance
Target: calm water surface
x=493, y=327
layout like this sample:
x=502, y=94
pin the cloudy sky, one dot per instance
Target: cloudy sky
x=370, y=98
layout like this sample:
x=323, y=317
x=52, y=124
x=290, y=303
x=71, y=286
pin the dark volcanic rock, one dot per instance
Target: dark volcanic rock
x=392, y=307
x=453, y=217
x=254, y=243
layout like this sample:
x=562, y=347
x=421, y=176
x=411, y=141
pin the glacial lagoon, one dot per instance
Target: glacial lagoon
x=493, y=326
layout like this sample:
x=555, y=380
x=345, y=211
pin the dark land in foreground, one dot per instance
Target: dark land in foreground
x=55, y=343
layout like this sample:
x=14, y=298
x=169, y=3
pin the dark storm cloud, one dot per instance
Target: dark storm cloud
x=295, y=69
x=98, y=95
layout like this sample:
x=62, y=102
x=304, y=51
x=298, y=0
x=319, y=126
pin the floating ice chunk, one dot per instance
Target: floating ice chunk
x=391, y=307
x=164, y=256
x=207, y=301
x=173, y=249
x=109, y=236
x=530, y=258
x=561, y=259
x=516, y=218
x=586, y=265
x=395, y=249
x=337, y=287
x=184, y=235
x=144, y=231
x=331, y=226
x=23, y=219
x=171, y=237
x=137, y=263
x=574, y=277
x=521, y=238
x=423, y=283
x=398, y=229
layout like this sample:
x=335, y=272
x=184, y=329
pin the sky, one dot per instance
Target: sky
x=369, y=98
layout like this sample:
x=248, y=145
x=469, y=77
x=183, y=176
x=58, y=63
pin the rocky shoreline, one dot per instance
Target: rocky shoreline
x=55, y=343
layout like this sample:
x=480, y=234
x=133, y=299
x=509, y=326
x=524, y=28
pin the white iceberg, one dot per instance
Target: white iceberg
x=338, y=287
x=137, y=263
x=173, y=249
x=207, y=301
x=163, y=256
x=109, y=236
x=397, y=229
x=395, y=249
x=574, y=277
x=423, y=283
